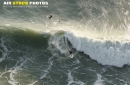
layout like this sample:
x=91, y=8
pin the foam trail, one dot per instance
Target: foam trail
x=72, y=81
x=70, y=78
x=46, y=71
x=99, y=81
x=33, y=82
x=4, y=51
x=106, y=52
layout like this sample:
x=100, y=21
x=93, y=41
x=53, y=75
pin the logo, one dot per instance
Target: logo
x=25, y=4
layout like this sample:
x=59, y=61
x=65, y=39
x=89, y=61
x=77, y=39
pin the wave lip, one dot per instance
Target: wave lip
x=106, y=52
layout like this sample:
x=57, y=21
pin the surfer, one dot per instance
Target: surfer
x=50, y=16
x=70, y=52
x=71, y=55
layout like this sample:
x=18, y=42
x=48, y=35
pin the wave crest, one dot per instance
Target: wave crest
x=106, y=52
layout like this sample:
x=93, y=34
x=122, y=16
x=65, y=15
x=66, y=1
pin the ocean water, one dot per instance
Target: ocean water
x=35, y=50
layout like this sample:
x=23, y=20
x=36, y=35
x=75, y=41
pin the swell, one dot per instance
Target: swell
x=104, y=51
x=24, y=35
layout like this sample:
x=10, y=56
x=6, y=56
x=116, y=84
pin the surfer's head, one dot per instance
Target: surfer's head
x=70, y=52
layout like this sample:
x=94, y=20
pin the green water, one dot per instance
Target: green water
x=28, y=61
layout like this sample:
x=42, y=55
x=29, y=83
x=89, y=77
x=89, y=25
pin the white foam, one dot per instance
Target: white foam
x=46, y=71
x=71, y=80
x=13, y=72
x=99, y=80
x=106, y=52
x=33, y=82
x=4, y=51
